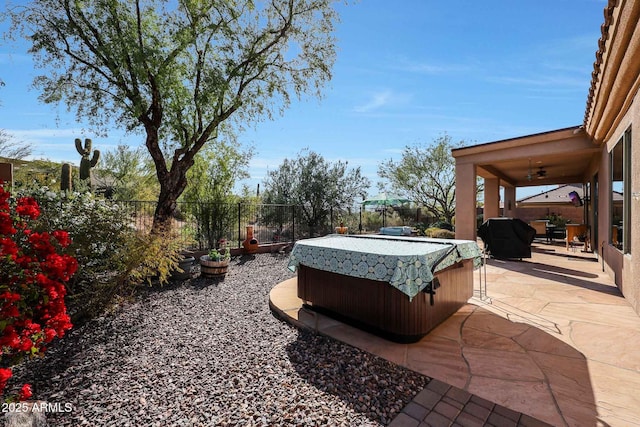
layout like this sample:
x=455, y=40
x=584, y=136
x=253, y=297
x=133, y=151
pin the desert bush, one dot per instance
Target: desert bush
x=439, y=233
x=442, y=224
x=113, y=258
x=421, y=229
x=371, y=221
x=142, y=259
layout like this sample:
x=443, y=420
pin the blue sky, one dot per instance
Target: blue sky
x=406, y=72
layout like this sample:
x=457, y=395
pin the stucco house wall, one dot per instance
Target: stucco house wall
x=613, y=107
x=622, y=267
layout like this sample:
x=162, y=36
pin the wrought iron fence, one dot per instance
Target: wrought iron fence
x=201, y=226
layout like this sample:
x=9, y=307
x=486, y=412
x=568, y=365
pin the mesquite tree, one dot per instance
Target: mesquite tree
x=426, y=174
x=178, y=70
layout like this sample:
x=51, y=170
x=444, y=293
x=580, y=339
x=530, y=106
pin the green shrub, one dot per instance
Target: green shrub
x=113, y=258
x=371, y=221
x=440, y=233
x=442, y=224
x=557, y=220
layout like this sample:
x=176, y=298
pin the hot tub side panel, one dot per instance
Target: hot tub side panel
x=352, y=297
x=380, y=307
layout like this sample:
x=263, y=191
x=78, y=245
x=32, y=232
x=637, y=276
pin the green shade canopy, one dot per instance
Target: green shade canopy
x=385, y=199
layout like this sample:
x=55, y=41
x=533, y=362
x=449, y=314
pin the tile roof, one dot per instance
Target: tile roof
x=597, y=65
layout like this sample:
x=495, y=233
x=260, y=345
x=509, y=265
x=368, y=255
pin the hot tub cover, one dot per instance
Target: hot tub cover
x=406, y=263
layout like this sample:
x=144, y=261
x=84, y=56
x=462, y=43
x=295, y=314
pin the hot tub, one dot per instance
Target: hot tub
x=396, y=231
x=397, y=287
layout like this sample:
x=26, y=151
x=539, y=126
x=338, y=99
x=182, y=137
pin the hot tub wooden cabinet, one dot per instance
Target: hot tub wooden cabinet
x=379, y=307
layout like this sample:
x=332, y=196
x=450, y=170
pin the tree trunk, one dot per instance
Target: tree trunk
x=165, y=209
x=172, y=185
x=172, y=182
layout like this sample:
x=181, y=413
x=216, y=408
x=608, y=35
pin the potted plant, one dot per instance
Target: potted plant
x=185, y=268
x=215, y=263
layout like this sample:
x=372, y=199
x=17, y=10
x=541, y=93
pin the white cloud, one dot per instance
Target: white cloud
x=549, y=80
x=403, y=63
x=40, y=134
x=422, y=68
x=377, y=101
x=393, y=151
x=58, y=144
x=265, y=163
x=381, y=100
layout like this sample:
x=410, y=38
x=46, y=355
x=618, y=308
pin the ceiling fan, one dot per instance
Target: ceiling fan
x=541, y=173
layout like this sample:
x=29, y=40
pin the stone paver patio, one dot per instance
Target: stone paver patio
x=553, y=339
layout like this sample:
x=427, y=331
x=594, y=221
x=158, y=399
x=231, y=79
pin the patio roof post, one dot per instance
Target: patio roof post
x=509, y=202
x=465, y=201
x=491, y=198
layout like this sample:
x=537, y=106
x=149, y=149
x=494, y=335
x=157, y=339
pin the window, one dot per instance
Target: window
x=621, y=193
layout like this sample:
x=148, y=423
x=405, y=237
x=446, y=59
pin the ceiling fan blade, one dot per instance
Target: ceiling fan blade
x=530, y=173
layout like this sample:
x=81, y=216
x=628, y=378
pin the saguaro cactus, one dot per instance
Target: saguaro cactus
x=85, y=163
x=65, y=180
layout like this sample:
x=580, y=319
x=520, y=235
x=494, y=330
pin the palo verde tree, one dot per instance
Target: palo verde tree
x=426, y=174
x=178, y=69
x=315, y=185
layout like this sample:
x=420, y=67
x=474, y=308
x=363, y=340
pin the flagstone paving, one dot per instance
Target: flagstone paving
x=551, y=340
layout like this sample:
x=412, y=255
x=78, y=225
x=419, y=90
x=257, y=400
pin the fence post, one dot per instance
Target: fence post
x=331, y=216
x=239, y=213
x=199, y=227
x=293, y=223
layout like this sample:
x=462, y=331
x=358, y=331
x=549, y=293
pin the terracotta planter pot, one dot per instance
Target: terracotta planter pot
x=211, y=268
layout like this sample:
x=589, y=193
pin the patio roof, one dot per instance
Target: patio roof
x=564, y=155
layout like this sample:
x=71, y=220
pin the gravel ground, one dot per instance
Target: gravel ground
x=206, y=352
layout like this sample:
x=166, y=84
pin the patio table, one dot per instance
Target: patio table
x=554, y=232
